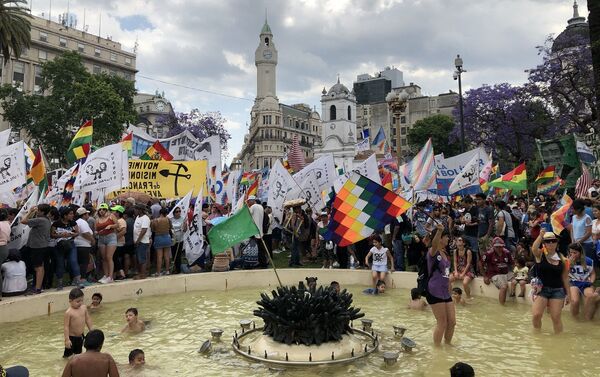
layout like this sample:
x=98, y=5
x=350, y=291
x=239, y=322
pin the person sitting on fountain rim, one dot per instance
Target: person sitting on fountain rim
x=379, y=288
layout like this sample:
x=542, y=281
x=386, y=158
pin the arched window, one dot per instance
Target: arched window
x=267, y=41
x=349, y=113
x=332, y=113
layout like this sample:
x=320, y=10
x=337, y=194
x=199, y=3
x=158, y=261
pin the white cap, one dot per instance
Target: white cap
x=82, y=211
x=252, y=197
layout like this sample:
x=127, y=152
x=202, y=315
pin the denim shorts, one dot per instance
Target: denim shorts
x=141, y=251
x=552, y=293
x=162, y=241
x=107, y=240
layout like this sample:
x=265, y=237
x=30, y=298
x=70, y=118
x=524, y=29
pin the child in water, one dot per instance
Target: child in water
x=381, y=257
x=76, y=318
x=96, y=301
x=137, y=359
x=134, y=325
x=379, y=288
x=416, y=301
x=457, y=296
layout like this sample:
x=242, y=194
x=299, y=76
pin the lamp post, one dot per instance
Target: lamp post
x=458, y=63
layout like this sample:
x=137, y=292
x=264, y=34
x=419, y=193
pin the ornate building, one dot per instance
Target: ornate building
x=272, y=124
x=338, y=134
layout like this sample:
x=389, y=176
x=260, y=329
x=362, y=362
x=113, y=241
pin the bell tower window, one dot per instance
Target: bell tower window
x=267, y=42
x=349, y=113
x=332, y=113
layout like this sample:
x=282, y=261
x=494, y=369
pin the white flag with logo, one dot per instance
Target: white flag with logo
x=368, y=168
x=363, y=145
x=19, y=233
x=102, y=169
x=183, y=204
x=280, y=183
x=469, y=176
x=4, y=138
x=311, y=192
x=324, y=169
x=193, y=238
x=13, y=173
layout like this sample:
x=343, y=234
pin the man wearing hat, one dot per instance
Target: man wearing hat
x=498, y=264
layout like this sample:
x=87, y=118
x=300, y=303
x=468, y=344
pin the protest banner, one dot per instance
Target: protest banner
x=280, y=184
x=324, y=169
x=449, y=168
x=562, y=154
x=19, y=232
x=13, y=172
x=165, y=179
x=193, y=239
x=368, y=168
x=592, y=143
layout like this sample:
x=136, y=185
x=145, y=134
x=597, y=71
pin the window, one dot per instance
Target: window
x=97, y=70
x=394, y=142
x=393, y=120
x=297, y=124
x=267, y=119
x=349, y=113
x=19, y=74
x=81, y=47
x=43, y=36
x=403, y=119
x=147, y=107
x=97, y=52
x=302, y=125
x=62, y=42
x=42, y=55
x=127, y=61
x=262, y=133
x=113, y=57
x=37, y=85
x=402, y=130
x=365, y=111
x=403, y=142
x=277, y=119
x=394, y=131
x=332, y=112
x=25, y=51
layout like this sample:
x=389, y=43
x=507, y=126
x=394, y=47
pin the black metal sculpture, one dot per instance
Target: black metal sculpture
x=296, y=316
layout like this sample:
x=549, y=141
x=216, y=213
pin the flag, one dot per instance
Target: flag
x=379, y=141
x=558, y=219
x=548, y=173
x=296, y=155
x=183, y=204
x=127, y=143
x=234, y=230
x=38, y=171
x=585, y=153
x=362, y=146
x=286, y=165
x=360, y=208
x=469, y=176
x=4, y=138
x=420, y=173
x=583, y=183
x=193, y=238
x=484, y=174
x=80, y=145
x=156, y=152
x=253, y=189
x=550, y=187
x=387, y=181
x=365, y=134
x=515, y=179
x=67, y=190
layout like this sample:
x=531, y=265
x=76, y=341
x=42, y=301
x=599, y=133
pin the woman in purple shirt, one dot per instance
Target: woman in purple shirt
x=438, y=292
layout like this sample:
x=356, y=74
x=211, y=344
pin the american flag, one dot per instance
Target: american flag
x=296, y=155
x=583, y=183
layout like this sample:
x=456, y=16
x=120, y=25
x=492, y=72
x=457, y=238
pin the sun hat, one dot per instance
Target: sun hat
x=498, y=242
x=549, y=236
x=103, y=206
x=82, y=211
x=130, y=200
x=118, y=208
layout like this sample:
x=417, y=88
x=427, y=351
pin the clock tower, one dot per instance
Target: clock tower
x=265, y=59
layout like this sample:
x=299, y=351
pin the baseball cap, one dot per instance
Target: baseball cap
x=103, y=206
x=82, y=211
x=498, y=242
x=118, y=208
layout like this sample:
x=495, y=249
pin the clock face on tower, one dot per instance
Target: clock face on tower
x=332, y=126
x=160, y=106
x=267, y=54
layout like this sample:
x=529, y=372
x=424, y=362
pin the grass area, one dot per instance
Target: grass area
x=282, y=260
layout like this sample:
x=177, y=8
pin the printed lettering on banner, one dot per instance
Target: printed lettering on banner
x=13, y=173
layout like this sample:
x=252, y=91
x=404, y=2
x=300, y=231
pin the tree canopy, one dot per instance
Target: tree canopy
x=438, y=128
x=201, y=125
x=72, y=95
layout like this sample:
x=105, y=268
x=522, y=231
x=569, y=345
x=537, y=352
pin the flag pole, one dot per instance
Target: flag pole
x=271, y=260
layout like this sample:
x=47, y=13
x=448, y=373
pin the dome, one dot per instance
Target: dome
x=338, y=89
x=269, y=103
x=575, y=34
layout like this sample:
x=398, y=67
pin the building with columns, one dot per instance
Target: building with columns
x=273, y=124
x=338, y=132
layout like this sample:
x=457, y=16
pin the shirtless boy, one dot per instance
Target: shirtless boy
x=96, y=301
x=134, y=325
x=92, y=363
x=76, y=318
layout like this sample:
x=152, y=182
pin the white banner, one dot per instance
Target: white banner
x=280, y=184
x=324, y=169
x=19, y=233
x=311, y=191
x=183, y=204
x=368, y=168
x=193, y=238
x=362, y=145
x=4, y=138
x=449, y=168
x=102, y=169
x=469, y=176
x=13, y=173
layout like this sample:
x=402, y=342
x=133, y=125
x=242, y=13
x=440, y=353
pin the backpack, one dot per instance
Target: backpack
x=423, y=274
x=250, y=254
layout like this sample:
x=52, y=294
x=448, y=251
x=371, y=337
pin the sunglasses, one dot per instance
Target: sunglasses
x=551, y=241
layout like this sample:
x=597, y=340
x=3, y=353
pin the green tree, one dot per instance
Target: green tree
x=438, y=128
x=15, y=28
x=73, y=95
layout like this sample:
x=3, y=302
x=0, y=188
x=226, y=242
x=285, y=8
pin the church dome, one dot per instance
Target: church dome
x=269, y=103
x=338, y=89
x=575, y=34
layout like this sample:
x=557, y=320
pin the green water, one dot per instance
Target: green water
x=496, y=341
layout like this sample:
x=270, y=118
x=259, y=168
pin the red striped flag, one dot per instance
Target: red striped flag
x=583, y=183
x=296, y=155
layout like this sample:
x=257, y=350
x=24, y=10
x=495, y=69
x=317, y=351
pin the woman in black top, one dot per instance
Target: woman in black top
x=551, y=268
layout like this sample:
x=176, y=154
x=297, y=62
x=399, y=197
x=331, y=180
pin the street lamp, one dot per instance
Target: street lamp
x=458, y=63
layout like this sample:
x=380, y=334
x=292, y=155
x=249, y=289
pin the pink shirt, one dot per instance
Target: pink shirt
x=4, y=232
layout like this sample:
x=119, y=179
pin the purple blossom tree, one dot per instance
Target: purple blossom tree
x=201, y=125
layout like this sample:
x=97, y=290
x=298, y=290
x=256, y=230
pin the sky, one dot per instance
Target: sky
x=189, y=47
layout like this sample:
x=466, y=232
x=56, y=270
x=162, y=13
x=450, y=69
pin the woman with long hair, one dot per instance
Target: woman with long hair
x=106, y=227
x=463, y=265
x=552, y=272
x=438, y=287
x=582, y=277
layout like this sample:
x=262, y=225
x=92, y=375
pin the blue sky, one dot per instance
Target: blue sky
x=209, y=44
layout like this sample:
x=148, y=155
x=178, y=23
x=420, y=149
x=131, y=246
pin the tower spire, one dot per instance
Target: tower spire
x=576, y=19
x=575, y=10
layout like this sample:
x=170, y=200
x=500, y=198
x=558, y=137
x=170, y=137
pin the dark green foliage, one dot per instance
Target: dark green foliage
x=438, y=128
x=296, y=316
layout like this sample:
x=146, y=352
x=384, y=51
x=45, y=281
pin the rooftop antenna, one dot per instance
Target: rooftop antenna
x=99, y=24
x=136, y=45
x=84, y=19
x=50, y=12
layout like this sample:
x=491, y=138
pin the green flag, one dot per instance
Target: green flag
x=234, y=230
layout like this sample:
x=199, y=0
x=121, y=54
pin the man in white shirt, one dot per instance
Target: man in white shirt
x=84, y=241
x=258, y=213
x=141, y=239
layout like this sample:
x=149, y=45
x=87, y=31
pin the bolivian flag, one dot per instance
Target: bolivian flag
x=548, y=173
x=515, y=179
x=80, y=145
x=38, y=171
x=127, y=143
x=156, y=152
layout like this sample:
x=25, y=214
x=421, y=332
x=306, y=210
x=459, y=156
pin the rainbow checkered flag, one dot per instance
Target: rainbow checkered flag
x=360, y=208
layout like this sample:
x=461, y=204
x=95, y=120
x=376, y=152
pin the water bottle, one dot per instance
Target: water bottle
x=352, y=262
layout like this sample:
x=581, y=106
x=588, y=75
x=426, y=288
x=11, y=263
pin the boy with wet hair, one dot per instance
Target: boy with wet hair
x=137, y=358
x=416, y=301
x=96, y=300
x=75, y=320
x=92, y=363
x=134, y=325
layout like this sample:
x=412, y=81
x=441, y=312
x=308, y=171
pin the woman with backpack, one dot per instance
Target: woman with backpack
x=438, y=287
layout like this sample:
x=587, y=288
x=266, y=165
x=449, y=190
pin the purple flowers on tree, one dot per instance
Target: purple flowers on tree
x=201, y=125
